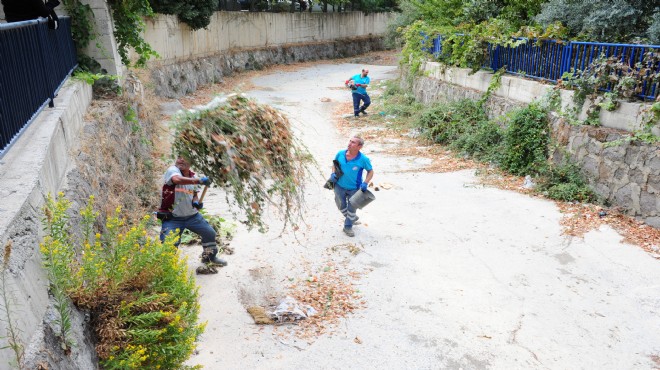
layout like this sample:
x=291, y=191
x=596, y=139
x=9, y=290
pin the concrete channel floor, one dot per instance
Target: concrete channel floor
x=455, y=275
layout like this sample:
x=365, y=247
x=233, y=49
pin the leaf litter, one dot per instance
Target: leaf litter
x=578, y=219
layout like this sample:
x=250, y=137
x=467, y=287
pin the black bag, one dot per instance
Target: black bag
x=164, y=216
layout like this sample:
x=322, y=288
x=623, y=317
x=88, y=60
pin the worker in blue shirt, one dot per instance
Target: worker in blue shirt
x=353, y=164
x=358, y=84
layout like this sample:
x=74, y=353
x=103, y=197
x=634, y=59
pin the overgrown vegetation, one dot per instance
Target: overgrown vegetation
x=249, y=149
x=517, y=143
x=141, y=297
x=128, y=17
x=623, y=82
x=195, y=13
x=605, y=21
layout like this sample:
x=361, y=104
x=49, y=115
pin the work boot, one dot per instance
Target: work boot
x=349, y=231
x=210, y=257
x=364, y=112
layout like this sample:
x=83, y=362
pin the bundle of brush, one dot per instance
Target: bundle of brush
x=249, y=149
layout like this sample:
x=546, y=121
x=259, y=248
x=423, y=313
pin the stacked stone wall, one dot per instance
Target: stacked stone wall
x=626, y=174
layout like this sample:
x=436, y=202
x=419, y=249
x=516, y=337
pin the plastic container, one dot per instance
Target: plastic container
x=361, y=198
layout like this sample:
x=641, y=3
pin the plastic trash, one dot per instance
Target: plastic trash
x=289, y=310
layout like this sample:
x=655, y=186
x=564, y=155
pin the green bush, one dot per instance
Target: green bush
x=446, y=122
x=142, y=299
x=195, y=13
x=526, y=141
x=482, y=141
x=564, y=182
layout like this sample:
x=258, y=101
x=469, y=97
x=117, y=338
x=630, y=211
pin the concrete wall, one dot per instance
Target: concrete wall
x=184, y=77
x=228, y=31
x=626, y=175
x=522, y=91
x=36, y=165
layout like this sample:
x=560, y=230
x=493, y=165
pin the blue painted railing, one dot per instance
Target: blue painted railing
x=548, y=60
x=34, y=63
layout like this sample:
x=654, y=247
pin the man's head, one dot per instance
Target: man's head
x=365, y=72
x=355, y=144
x=182, y=163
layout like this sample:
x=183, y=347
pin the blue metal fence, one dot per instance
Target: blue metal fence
x=549, y=59
x=34, y=63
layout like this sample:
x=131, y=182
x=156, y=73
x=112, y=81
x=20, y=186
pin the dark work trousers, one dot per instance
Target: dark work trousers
x=357, y=97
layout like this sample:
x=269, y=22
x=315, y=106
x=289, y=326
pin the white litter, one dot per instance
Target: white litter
x=290, y=310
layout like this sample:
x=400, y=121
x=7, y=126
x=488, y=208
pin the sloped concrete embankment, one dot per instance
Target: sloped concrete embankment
x=184, y=77
x=626, y=174
x=34, y=167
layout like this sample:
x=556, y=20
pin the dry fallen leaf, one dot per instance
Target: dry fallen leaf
x=357, y=340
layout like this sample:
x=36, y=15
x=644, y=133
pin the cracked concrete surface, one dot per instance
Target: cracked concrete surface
x=458, y=276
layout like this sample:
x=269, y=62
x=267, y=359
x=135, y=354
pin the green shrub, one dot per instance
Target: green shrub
x=526, y=141
x=446, y=122
x=195, y=13
x=142, y=299
x=564, y=182
x=482, y=141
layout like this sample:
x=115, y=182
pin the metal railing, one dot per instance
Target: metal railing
x=34, y=63
x=548, y=60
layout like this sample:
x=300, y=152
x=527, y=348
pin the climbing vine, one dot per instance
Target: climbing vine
x=129, y=26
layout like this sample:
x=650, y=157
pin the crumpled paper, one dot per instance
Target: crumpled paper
x=290, y=310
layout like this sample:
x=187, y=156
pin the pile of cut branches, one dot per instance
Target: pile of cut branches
x=249, y=149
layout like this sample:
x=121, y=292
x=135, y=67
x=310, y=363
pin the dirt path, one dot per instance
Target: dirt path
x=442, y=274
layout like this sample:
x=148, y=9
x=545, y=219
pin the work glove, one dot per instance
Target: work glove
x=364, y=186
x=205, y=181
x=333, y=177
x=198, y=205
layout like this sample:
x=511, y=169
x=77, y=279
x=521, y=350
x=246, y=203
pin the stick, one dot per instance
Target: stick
x=203, y=193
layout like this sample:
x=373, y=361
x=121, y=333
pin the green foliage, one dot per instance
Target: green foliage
x=611, y=21
x=82, y=22
x=653, y=32
x=447, y=122
x=129, y=27
x=142, y=299
x=526, y=141
x=622, y=80
x=564, y=182
x=223, y=229
x=195, y=13
x=397, y=102
x=519, y=145
x=249, y=149
x=483, y=141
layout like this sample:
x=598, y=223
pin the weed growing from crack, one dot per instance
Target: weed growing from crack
x=13, y=339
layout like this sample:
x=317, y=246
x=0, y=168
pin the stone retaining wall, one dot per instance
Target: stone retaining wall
x=625, y=175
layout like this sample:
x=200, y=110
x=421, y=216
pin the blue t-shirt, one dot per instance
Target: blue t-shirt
x=352, y=177
x=358, y=79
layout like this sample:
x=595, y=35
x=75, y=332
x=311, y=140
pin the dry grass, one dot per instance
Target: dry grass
x=120, y=159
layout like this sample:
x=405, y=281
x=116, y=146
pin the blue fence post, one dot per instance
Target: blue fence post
x=565, y=59
x=494, y=57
